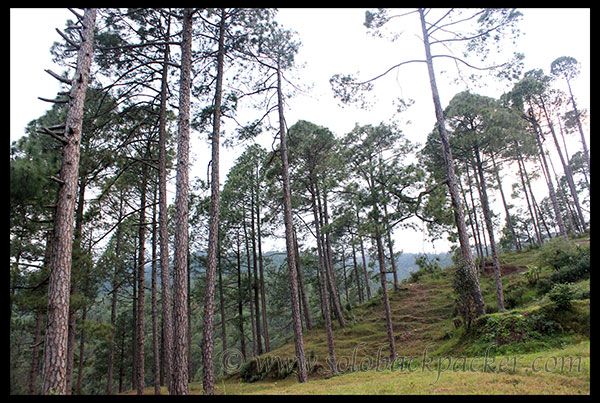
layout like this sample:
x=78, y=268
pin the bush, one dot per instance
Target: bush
x=557, y=253
x=426, y=266
x=562, y=295
x=462, y=283
x=577, y=269
x=544, y=285
x=532, y=274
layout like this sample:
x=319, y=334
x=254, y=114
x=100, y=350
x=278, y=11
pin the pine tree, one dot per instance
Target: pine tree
x=55, y=353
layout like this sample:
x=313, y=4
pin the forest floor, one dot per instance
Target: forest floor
x=500, y=354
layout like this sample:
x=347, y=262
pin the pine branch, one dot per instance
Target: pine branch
x=66, y=38
x=55, y=135
x=59, y=78
x=55, y=101
x=79, y=16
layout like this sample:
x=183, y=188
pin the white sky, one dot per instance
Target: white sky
x=333, y=41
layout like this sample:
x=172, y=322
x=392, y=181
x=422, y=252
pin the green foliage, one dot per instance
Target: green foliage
x=532, y=274
x=426, y=266
x=577, y=268
x=561, y=295
x=461, y=284
x=557, y=253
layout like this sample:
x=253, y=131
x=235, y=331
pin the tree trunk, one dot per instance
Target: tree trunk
x=566, y=169
x=305, y=306
x=140, y=297
x=83, y=318
x=252, y=324
x=586, y=153
x=180, y=255
x=529, y=205
x=323, y=288
x=33, y=372
x=122, y=358
x=163, y=226
x=388, y=232
x=472, y=220
x=561, y=225
x=508, y=217
x=115, y=291
x=221, y=301
x=240, y=298
x=134, y=307
x=356, y=273
x=386, y=300
x=263, y=297
x=463, y=236
x=329, y=262
x=208, y=378
x=345, y=277
x=55, y=344
x=75, y=278
x=257, y=316
x=362, y=253
x=155, y=338
x=490, y=228
x=289, y=238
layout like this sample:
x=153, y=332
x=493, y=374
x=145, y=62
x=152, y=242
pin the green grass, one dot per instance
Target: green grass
x=534, y=373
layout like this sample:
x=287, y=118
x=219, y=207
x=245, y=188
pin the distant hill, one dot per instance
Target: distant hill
x=405, y=263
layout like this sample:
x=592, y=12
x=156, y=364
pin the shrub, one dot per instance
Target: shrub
x=561, y=295
x=426, y=266
x=544, y=285
x=556, y=253
x=465, y=306
x=577, y=269
x=532, y=274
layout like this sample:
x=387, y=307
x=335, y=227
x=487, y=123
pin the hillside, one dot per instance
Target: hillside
x=423, y=314
x=532, y=348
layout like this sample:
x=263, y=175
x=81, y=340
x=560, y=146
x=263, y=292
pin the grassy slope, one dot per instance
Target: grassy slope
x=423, y=320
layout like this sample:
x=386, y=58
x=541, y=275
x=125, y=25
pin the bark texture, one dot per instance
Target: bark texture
x=180, y=256
x=55, y=342
x=289, y=239
x=208, y=377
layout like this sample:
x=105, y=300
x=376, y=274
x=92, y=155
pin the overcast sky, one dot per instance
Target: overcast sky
x=333, y=41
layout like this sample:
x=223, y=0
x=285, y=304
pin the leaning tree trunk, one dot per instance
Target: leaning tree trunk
x=463, y=236
x=289, y=238
x=180, y=255
x=566, y=169
x=586, y=153
x=559, y=220
x=55, y=344
x=490, y=229
x=208, y=377
x=536, y=226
